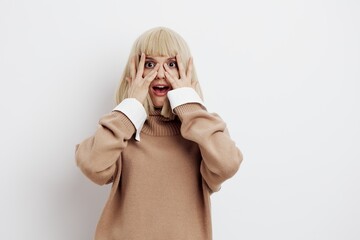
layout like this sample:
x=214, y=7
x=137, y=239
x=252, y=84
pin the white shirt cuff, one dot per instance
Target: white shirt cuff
x=180, y=96
x=135, y=111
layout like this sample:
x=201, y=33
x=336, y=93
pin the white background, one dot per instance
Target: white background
x=283, y=74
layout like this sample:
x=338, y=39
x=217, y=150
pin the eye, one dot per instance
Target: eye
x=172, y=64
x=149, y=64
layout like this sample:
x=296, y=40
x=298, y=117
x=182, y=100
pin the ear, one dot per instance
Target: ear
x=128, y=79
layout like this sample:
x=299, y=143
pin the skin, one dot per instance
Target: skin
x=156, y=71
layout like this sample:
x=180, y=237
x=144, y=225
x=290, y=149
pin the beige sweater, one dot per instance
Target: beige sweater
x=161, y=185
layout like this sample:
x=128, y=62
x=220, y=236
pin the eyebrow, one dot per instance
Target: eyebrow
x=150, y=58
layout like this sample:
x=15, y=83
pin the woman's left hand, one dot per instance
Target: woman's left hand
x=185, y=79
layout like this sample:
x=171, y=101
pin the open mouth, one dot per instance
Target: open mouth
x=160, y=90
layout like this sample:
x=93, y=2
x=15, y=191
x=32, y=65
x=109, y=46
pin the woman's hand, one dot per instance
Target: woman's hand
x=139, y=84
x=185, y=79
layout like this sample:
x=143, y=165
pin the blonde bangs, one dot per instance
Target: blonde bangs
x=161, y=42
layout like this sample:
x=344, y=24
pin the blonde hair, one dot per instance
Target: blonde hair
x=159, y=41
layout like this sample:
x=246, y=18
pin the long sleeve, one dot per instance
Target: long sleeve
x=220, y=156
x=97, y=155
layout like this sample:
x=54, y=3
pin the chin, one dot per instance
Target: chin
x=158, y=104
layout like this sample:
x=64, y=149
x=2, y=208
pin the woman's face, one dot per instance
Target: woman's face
x=160, y=86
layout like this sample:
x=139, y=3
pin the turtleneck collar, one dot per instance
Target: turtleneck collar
x=158, y=125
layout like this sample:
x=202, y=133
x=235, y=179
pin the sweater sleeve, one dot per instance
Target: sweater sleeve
x=220, y=156
x=97, y=155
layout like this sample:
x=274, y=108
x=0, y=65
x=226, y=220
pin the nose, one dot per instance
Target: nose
x=161, y=72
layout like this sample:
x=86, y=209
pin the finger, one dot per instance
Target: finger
x=180, y=66
x=170, y=79
x=189, y=69
x=155, y=69
x=168, y=70
x=150, y=77
x=132, y=68
x=141, y=66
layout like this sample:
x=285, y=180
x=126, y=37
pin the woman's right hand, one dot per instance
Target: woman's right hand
x=139, y=84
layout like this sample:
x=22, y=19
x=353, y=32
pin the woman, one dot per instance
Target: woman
x=162, y=151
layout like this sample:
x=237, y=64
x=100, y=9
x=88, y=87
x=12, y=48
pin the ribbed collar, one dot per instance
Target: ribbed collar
x=158, y=125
